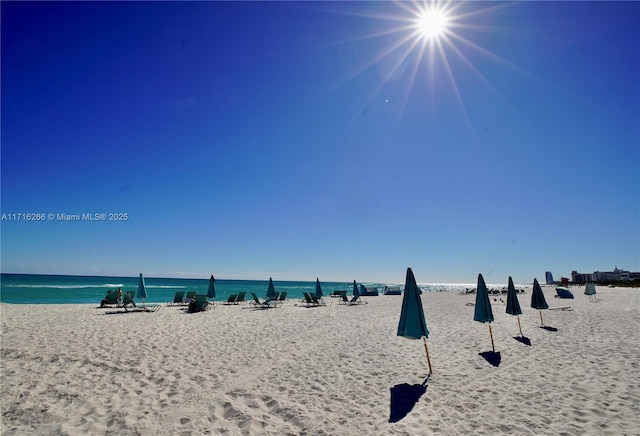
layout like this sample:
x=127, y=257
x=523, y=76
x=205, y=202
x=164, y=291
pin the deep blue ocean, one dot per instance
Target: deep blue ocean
x=55, y=289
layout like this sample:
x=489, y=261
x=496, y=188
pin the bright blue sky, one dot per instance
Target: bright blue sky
x=301, y=140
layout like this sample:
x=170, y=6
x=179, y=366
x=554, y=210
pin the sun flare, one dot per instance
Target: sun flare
x=432, y=23
x=427, y=43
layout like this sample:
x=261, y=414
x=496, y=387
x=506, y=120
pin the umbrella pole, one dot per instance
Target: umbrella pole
x=520, y=328
x=491, y=334
x=426, y=350
x=541, y=321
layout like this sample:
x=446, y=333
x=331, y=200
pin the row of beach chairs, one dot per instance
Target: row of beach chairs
x=195, y=302
x=309, y=300
x=342, y=295
x=128, y=304
x=181, y=300
x=199, y=302
x=312, y=300
x=240, y=298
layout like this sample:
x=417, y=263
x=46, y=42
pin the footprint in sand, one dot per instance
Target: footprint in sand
x=271, y=403
x=228, y=411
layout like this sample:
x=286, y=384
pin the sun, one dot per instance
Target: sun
x=432, y=23
x=429, y=43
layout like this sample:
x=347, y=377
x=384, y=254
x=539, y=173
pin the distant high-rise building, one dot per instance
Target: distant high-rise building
x=549, y=278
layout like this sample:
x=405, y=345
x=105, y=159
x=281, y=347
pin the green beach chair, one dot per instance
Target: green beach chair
x=317, y=301
x=261, y=304
x=199, y=304
x=241, y=297
x=177, y=299
x=308, y=300
x=127, y=300
x=231, y=300
x=355, y=300
x=110, y=299
x=188, y=298
x=338, y=294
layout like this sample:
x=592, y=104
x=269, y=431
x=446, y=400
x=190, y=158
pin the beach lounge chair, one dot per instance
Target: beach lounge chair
x=281, y=297
x=199, y=304
x=177, y=299
x=307, y=300
x=266, y=304
x=127, y=300
x=188, y=298
x=110, y=300
x=129, y=305
x=241, y=296
x=231, y=300
x=354, y=300
x=317, y=301
x=149, y=307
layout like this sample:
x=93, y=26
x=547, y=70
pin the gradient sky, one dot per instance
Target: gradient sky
x=321, y=139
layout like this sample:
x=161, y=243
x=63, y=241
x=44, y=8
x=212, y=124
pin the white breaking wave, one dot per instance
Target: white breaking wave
x=106, y=285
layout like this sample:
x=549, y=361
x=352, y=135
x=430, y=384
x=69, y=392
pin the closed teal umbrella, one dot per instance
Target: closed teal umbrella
x=513, y=306
x=356, y=293
x=142, y=290
x=318, y=288
x=537, y=299
x=271, y=291
x=412, y=322
x=483, y=312
x=590, y=290
x=211, y=292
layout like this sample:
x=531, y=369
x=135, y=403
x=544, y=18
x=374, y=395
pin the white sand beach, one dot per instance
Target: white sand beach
x=73, y=369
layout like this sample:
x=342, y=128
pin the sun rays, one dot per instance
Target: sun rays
x=426, y=43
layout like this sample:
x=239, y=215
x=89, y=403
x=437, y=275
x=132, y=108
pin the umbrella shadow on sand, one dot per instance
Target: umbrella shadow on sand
x=548, y=328
x=403, y=397
x=492, y=357
x=525, y=340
